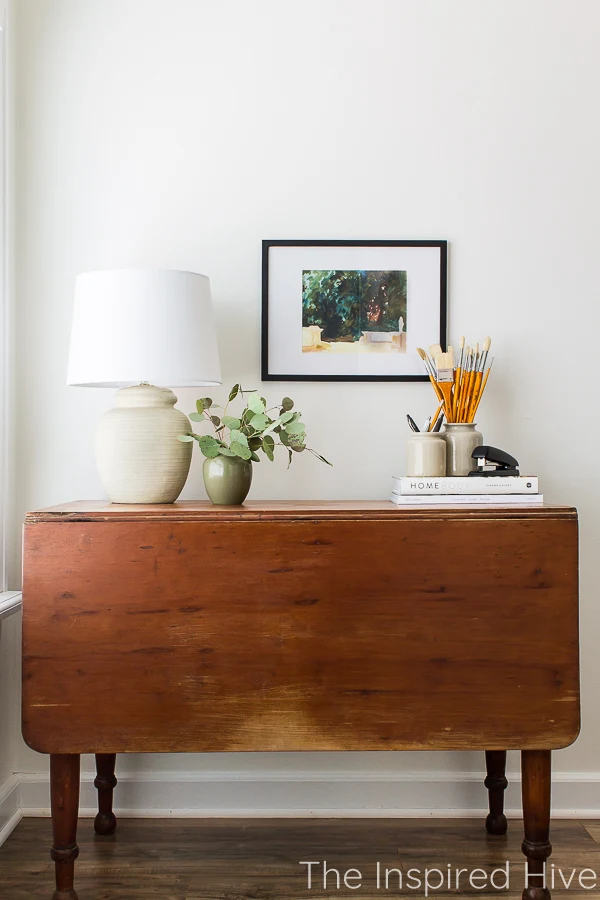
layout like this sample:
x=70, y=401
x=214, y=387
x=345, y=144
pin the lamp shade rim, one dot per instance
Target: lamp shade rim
x=122, y=384
x=141, y=269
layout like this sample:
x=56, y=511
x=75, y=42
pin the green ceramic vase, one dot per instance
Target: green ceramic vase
x=227, y=479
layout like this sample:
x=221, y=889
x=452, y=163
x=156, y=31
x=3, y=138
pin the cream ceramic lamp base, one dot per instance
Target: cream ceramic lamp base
x=138, y=455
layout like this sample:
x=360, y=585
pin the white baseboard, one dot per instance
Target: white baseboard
x=10, y=807
x=323, y=795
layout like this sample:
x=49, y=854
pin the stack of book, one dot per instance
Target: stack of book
x=501, y=490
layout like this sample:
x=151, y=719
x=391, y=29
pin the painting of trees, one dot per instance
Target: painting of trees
x=347, y=303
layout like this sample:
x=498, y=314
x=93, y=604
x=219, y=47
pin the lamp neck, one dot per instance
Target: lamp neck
x=145, y=395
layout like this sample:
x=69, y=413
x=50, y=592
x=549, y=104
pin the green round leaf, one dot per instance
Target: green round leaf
x=285, y=417
x=184, y=438
x=234, y=392
x=268, y=441
x=197, y=417
x=215, y=420
x=225, y=451
x=199, y=406
x=295, y=428
x=256, y=404
x=260, y=421
x=287, y=403
x=254, y=457
x=209, y=446
x=231, y=422
x=240, y=450
x=206, y=403
x=298, y=448
x=238, y=437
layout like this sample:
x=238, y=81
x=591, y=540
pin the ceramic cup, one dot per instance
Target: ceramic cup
x=425, y=455
x=461, y=439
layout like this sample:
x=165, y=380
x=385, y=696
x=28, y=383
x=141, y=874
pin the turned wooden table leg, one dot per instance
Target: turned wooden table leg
x=105, y=781
x=496, y=783
x=536, y=776
x=64, y=798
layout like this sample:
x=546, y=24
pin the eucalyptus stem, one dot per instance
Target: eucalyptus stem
x=231, y=440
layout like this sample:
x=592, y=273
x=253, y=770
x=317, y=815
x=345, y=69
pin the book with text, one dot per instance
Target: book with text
x=458, y=499
x=488, y=484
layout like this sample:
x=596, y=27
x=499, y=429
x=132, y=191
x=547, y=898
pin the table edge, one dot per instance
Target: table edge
x=84, y=511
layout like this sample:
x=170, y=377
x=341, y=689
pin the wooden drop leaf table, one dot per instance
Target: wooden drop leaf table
x=300, y=626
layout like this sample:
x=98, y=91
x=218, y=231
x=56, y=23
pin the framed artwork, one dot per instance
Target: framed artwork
x=351, y=310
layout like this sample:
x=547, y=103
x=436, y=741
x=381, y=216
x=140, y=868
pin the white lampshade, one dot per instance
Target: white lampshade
x=143, y=325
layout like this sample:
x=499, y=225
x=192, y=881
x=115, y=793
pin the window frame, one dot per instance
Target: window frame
x=10, y=601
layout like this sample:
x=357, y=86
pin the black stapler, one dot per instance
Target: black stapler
x=503, y=463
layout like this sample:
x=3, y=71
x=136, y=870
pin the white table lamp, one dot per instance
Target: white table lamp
x=144, y=331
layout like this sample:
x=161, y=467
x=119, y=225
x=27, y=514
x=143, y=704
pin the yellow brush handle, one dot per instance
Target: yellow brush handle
x=455, y=396
x=464, y=396
x=438, y=393
x=462, y=387
x=475, y=398
x=468, y=395
x=483, y=384
x=446, y=389
x=435, y=417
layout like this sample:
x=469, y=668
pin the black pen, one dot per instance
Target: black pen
x=438, y=424
x=412, y=423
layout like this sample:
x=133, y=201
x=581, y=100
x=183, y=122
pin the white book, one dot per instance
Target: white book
x=459, y=499
x=484, y=484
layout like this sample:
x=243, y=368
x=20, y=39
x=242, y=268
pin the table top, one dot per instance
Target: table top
x=299, y=626
x=98, y=510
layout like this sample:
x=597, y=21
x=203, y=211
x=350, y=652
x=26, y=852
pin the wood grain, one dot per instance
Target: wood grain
x=366, y=510
x=239, y=859
x=536, y=787
x=299, y=627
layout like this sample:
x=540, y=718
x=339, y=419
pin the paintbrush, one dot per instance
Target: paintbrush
x=469, y=384
x=483, y=384
x=445, y=379
x=458, y=383
x=457, y=374
x=478, y=377
x=462, y=389
x=435, y=417
x=430, y=371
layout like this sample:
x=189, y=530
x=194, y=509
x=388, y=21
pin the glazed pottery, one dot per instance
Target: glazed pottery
x=227, y=479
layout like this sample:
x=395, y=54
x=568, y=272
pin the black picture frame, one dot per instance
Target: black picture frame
x=267, y=375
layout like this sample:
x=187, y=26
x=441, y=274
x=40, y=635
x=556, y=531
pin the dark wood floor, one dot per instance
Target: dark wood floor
x=228, y=859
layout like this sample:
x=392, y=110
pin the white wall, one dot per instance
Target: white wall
x=180, y=135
